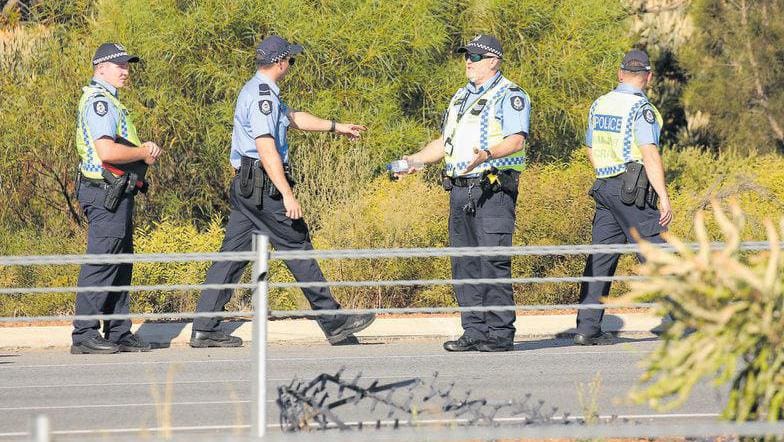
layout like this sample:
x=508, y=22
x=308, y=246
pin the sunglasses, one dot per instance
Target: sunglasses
x=291, y=61
x=477, y=57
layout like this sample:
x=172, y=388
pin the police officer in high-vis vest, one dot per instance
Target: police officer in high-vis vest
x=111, y=172
x=483, y=134
x=623, y=141
x=262, y=199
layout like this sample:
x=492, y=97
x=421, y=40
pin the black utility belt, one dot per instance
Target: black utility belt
x=116, y=187
x=91, y=182
x=461, y=181
x=254, y=181
x=491, y=180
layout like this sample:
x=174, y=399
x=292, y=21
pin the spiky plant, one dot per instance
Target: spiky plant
x=728, y=326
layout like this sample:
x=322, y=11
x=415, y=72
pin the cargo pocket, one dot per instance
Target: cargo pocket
x=595, y=188
x=495, y=224
x=108, y=229
x=294, y=230
x=650, y=228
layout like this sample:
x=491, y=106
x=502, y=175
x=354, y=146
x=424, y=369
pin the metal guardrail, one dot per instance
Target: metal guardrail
x=260, y=256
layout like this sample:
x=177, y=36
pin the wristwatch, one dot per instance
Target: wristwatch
x=489, y=154
x=332, y=129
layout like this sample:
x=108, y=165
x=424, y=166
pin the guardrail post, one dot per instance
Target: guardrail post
x=40, y=429
x=260, y=268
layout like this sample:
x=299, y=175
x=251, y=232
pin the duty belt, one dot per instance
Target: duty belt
x=92, y=182
x=462, y=181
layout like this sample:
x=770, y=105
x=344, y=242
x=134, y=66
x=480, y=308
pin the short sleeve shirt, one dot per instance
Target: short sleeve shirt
x=513, y=111
x=646, y=127
x=101, y=116
x=259, y=112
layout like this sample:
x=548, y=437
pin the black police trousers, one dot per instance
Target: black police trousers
x=491, y=225
x=107, y=232
x=612, y=224
x=284, y=234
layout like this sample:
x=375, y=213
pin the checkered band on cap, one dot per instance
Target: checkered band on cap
x=484, y=48
x=261, y=55
x=111, y=52
x=110, y=57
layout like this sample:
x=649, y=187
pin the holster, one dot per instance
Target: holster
x=258, y=186
x=636, y=189
x=494, y=180
x=446, y=181
x=269, y=186
x=119, y=186
x=254, y=181
x=246, y=173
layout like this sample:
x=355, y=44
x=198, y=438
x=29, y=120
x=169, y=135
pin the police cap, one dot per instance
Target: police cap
x=482, y=44
x=274, y=48
x=636, y=61
x=113, y=52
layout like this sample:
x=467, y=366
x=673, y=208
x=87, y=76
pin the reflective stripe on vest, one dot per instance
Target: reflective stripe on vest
x=90, y=162
x=614, y=143
x=477, y=128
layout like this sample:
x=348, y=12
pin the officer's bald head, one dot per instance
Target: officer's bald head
x=635, y=77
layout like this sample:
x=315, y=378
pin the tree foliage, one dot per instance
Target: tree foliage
x=736, y=67
x=387, y=64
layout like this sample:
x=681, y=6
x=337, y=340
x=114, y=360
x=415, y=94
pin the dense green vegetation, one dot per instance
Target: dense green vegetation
x=387, y=64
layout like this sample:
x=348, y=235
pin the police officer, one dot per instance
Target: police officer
x=484, y=131
x=623, y=135
x=260, y=155
x=111, y=172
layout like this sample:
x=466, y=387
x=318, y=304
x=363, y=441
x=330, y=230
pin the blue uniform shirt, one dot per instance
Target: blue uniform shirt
x=513, y=121
x=101, y=116
x=259, y=112
x=646, y=133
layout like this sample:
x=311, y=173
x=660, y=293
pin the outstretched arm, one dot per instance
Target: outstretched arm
x=305, y=121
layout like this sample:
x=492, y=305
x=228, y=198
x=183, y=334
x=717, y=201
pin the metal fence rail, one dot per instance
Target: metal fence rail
x=431, y=252
x=260, y=257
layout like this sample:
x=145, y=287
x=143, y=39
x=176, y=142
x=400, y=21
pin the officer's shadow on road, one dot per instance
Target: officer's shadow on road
x=161, y=334
x=565, y=338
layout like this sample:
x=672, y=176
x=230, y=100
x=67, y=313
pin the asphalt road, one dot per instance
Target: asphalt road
x=208, y=392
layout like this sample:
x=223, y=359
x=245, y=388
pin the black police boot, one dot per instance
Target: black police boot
x=352, y=324
x=132, y=343
x=350, y=340
x=498, y=344
x=95, y=345
x=204, y=339
x=601, y=338
x=464, y=343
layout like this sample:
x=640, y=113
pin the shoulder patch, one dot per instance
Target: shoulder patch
x=264, y=89
x=517, y=102
x=100, y=107
x=648, y=115
x=265, y=106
